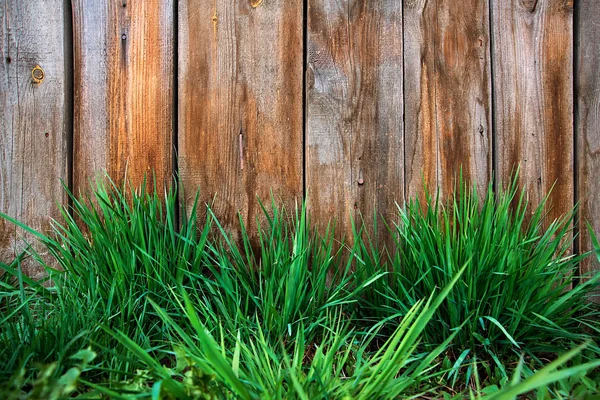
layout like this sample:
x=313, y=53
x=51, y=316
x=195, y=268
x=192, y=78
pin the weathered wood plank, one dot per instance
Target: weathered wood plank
x=447, y=95
x=240, y=104
x=588, y=123
x=533, y=85
x=34, y=116
x=354, y=139
x=123, y=122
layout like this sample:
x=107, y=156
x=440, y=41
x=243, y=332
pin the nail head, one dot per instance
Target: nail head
x=37, y=74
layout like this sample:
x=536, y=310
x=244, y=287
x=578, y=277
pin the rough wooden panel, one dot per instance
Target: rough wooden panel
x=123, y=89
x=354, y=139
x=240, y=104
x=588, y=123
x=447, y=94
x=533, y=85
x=33, y=116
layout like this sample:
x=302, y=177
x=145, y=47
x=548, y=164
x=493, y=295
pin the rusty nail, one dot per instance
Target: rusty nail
x=123, y=37
x=37, y=74
x=255, y=3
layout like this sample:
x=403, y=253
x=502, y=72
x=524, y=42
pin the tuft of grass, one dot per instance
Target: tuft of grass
x=515, y=295
x=114, y=250
x=343, y=364
x=284, y=281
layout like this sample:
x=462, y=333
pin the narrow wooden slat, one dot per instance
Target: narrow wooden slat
x=34, y=115
x=422, y=155
x=533, y=85
x=240, y=104
x=448, y=96
x=123, y=54
x=354, y=139
x=588, y=123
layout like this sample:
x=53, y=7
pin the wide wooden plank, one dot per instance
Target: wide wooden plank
x=588, y=123
x=123, y=123
x=34, y=116
x=354, y=139
x=240, y=104
x=533, y=86
x=447, y=94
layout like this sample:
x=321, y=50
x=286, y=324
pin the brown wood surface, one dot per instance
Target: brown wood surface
x=34, y=117
x=588, y=123
x=447, y=94
x=396, y=92
x=533, y=86
x=240, y=104
x=123, y=60
x=354, y=139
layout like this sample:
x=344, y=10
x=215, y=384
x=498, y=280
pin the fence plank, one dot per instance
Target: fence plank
x=588, y=123
x=533, y=64
x=448, y=97
x=240, y=104
x=123, y=89
x=354, y=148
x=33, y=116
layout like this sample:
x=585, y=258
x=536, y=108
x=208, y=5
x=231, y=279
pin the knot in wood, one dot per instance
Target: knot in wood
x=529, y=5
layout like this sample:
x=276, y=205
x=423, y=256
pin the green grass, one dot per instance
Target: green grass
x=112, y=255
x=257, y=367
x=137, y=304
x=282, y=283
x=515, y=295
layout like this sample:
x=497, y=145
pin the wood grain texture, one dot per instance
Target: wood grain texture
x=34, y=117
x=533, y=86
x=123, y=123
x=240, y=104
x=354, y=139
x=447, y=94
x=588, y=123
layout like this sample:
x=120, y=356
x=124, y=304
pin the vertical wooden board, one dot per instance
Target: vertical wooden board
x=420, y=128
x=588, y=123
x=463, y=95
x=533, y=86
x=240, y=104
x=123, y=61
x=34, y=115
x=448, y=95
x=354, y=139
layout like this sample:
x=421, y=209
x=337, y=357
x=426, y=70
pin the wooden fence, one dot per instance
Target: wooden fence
x=350, y=102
